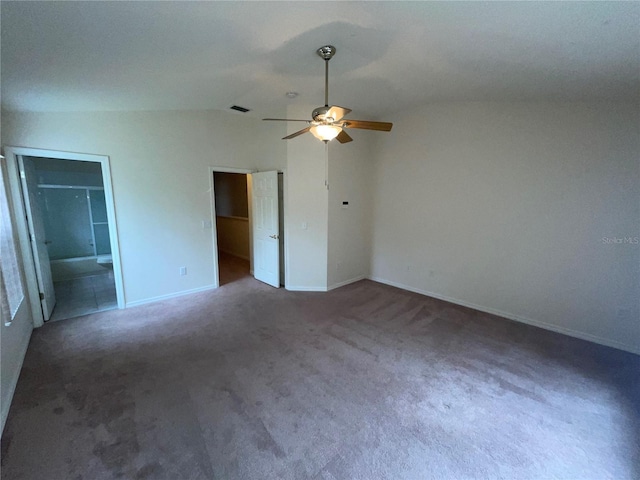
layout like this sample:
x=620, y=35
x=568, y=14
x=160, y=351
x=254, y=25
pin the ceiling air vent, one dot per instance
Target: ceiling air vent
x=239, y=109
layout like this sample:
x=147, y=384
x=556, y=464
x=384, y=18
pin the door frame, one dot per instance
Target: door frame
x=284, y=260
x=12, y=154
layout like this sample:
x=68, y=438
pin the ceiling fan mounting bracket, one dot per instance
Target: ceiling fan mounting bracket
x=327, y=52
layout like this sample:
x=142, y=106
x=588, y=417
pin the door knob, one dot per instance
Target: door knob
x=275, y=237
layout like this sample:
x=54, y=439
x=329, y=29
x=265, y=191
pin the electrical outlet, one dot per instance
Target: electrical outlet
x=183, y=271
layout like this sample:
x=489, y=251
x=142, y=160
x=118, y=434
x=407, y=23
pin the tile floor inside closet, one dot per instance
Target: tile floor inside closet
x=84, y=295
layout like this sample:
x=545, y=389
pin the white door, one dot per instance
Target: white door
x=266, y=243
x=37, y=236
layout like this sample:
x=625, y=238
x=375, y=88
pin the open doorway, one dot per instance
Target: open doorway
x=248, y=210
x=69, y=236
x=70, y=200
x=231, y=191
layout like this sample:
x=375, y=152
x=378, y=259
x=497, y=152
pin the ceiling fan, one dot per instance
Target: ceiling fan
x=328, y=121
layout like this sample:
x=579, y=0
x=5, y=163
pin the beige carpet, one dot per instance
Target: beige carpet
x=364, y=382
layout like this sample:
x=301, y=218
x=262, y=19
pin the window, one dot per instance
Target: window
x=11, y=287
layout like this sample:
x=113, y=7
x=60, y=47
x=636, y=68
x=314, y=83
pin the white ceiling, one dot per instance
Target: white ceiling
x=83, y=56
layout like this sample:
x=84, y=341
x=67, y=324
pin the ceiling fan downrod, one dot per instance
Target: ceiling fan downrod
x=326, y=52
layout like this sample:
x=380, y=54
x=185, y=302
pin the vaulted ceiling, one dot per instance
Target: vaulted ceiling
x=85, y=56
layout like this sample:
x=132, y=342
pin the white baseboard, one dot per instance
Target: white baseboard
x=518, y=318
x=346, y=282
x=171, y=295
x=303, y=288
x=297, y=288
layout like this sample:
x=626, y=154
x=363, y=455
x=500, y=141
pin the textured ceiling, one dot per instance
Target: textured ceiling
x=79, y=56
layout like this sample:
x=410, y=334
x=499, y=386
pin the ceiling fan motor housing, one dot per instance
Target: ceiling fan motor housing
x=320, y=114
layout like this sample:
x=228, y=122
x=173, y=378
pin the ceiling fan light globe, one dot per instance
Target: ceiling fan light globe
x=325, y=132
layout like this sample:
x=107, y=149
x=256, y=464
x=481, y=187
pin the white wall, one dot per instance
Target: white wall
x=334, y=248
x=159, y=163
x=349, y=230
x=504, y=207
x=307, y=198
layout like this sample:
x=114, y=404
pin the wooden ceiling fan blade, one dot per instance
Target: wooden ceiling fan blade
x=294, y=135
x=283, y=120
x=366, y=125
x=337, y=112
x=343, y=137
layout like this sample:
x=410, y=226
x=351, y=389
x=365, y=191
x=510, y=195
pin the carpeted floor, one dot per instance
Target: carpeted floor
x=364, y=382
